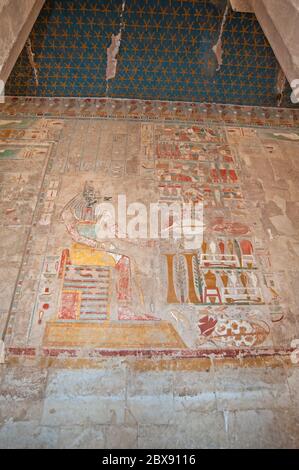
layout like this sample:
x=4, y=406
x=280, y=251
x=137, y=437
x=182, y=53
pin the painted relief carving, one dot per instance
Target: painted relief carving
x=145, y=293
x=233, y=332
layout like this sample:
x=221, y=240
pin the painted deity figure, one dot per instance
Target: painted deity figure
x=90, y=220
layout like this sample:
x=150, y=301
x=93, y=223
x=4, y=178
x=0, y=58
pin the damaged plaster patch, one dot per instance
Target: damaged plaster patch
x=280, y=85
x=217, y=49
x=113, y=49
x=31, y=60
x=112, y=52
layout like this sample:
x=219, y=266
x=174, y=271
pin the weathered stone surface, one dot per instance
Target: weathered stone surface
x=82, y=437
x=252, y=388
x=186, y=430
x=279, y=22
x=69, y=384
x=17, y=20
x=27, y=435
x=256, y=414
x=22, y=393
x=149, y=370
x=256, y=429
x=121, y=437
x=194, y=391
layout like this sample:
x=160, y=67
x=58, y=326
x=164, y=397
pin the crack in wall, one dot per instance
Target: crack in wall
x=113, y=49
x=32, y=61
x=217, y=48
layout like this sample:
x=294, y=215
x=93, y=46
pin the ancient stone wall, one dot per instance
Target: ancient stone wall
x=150, y=341
x=16, y=21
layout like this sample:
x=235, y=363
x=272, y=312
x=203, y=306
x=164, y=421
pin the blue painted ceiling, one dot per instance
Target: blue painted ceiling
x=165, y=53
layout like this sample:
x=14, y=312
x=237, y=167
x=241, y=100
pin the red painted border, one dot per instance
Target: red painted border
x=176, y=354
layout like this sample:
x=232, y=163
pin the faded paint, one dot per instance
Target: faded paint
x=164, y=375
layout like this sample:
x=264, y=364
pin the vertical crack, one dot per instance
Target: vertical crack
x=217, y=48
x=113, y=49
x=31, y=60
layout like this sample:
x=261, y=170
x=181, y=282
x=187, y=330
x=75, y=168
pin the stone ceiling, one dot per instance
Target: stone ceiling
x=165, y=53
